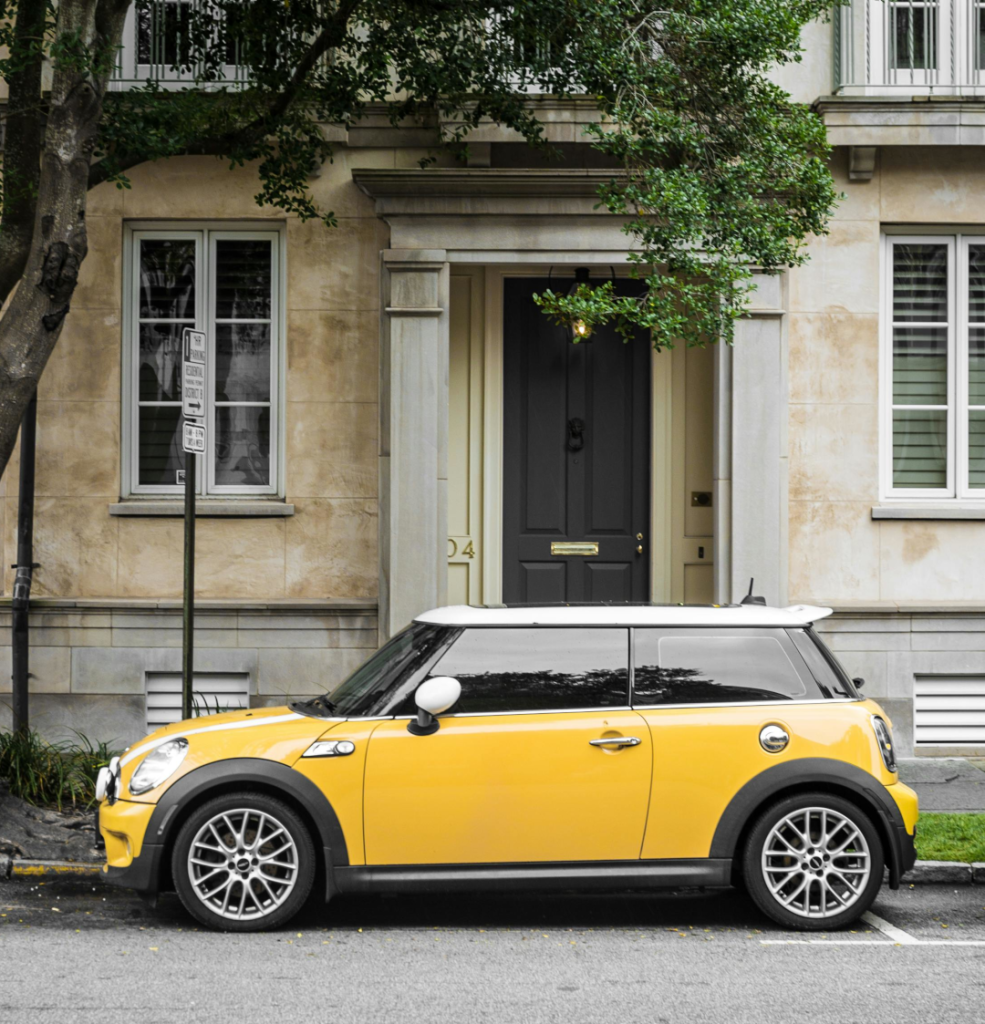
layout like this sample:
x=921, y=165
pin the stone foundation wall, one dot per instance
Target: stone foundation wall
x=890, y=648
x=89, y=659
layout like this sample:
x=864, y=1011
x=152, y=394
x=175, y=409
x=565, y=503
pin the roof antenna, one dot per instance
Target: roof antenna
x=751, y=598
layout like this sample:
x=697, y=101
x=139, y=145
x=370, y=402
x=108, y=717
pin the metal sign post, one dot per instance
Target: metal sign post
x=193, y=385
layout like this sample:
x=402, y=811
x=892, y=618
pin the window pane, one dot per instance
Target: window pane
x=162, y=32
x=160, y=362
x=919, y=448
x=979, y=32
x=161, y=455
x=976, y=448
x=242, y=446
x=391, y=673
x=976, y=283
x=538, y=669
x=914, y=37
x=830, y=677
x=167, y=279
x=242, y=280
x=919, y=281
x=919, y=366
x=976, y=366
x=701, y=667
x=242, y=363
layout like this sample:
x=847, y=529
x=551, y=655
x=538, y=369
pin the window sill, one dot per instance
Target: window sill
x=175, y=508
x=952, y=511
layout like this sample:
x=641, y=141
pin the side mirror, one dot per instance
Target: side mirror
x=432, y=697
x=859, y=682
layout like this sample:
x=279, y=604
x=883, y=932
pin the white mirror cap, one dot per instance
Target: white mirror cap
x=438, y=694
x=809, y=612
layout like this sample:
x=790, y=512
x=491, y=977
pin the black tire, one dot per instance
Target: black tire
x=292, y=884
x=790, y=872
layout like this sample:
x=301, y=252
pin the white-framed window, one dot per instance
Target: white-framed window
x=225, y=280
x=933, y=367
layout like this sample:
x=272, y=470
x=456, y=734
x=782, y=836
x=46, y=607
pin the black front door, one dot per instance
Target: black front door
x=576, y=458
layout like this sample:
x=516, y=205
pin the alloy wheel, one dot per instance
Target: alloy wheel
x=243, y=864
x=816, y=862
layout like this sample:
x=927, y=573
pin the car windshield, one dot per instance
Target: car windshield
x=406, y=652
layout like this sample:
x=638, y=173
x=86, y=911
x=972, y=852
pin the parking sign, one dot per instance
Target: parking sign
x=193, y=438
x=194, y=342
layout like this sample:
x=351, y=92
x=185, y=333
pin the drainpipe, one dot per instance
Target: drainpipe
x=25, y=567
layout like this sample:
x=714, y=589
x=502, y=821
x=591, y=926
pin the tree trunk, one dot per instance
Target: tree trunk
x=33, y=322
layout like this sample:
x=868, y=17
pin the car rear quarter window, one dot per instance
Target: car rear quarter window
x=827, y=671
x=718, y=666
x=538, y=669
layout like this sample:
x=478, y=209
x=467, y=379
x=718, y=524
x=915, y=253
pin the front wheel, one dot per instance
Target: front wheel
x=243, y=862
x=813, y=862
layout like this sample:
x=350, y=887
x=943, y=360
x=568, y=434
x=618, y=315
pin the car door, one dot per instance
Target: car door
x=540, y=760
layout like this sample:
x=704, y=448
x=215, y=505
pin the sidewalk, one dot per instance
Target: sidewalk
x=953, y=784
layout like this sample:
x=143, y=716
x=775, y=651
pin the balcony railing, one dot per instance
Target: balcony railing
x=910, y=47
x=155, y=39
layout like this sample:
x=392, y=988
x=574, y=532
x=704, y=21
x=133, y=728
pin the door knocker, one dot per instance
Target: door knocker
x=576, y=435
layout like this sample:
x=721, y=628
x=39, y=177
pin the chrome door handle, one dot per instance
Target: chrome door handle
x=617, y=741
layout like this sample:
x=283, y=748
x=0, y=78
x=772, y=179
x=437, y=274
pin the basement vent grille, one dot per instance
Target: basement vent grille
x=949, y=710
x=214, y=692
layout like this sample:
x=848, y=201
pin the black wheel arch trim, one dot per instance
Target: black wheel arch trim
x=145, y=874
x=815, y=771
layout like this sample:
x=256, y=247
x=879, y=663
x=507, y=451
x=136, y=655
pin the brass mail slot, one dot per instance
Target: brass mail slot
x=574, y=547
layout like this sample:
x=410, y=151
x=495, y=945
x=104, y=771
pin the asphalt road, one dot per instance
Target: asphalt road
x=73, y=951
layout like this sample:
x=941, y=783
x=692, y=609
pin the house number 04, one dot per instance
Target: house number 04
x=460, y=549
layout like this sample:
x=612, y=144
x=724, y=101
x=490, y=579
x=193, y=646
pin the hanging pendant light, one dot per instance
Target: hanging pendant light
x=580, y=330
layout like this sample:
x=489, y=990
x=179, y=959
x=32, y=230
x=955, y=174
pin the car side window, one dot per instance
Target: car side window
x=716, y=666
x=538, y=669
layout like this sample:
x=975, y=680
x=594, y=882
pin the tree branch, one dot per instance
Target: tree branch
x=22, y=150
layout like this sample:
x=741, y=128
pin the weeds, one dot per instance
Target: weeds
x=201, y=706
x=51, y=774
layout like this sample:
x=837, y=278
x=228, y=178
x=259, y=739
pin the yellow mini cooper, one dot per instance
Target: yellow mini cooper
x=633, y=747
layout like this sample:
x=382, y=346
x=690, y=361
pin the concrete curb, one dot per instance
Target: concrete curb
x=44, y=868
x=946, y=872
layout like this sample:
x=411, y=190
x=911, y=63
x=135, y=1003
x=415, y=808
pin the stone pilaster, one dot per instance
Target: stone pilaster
x=413, y=435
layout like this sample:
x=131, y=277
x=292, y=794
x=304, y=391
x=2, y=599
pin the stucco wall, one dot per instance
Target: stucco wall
x=838, y=553
x=328, y=548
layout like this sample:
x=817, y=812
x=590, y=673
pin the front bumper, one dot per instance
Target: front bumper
x=907, y=846
x=142, y=873
x=130, y=861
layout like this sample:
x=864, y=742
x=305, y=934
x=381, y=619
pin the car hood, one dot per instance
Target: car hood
x=273, y=734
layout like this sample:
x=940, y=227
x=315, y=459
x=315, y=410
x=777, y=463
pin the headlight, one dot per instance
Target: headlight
x=160, y=764
x=884, y=736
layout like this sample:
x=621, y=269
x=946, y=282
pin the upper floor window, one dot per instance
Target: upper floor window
x=934, y=367
x=155, y=44
x=226, y=283
x=910, y=46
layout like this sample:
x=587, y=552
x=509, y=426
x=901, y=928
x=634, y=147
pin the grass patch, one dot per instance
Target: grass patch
x=958, y=837
x=51, y=774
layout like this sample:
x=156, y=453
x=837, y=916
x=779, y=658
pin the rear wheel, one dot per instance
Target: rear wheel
x=243, y=862
x=814, y=862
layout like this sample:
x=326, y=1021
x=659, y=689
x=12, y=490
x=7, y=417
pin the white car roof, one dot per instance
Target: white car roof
x=627, y=615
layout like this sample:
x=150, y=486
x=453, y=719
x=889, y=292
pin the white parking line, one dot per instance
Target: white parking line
x=897, y=937
x=896, y=934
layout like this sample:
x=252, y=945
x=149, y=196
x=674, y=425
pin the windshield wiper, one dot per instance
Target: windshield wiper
x=316, y=705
